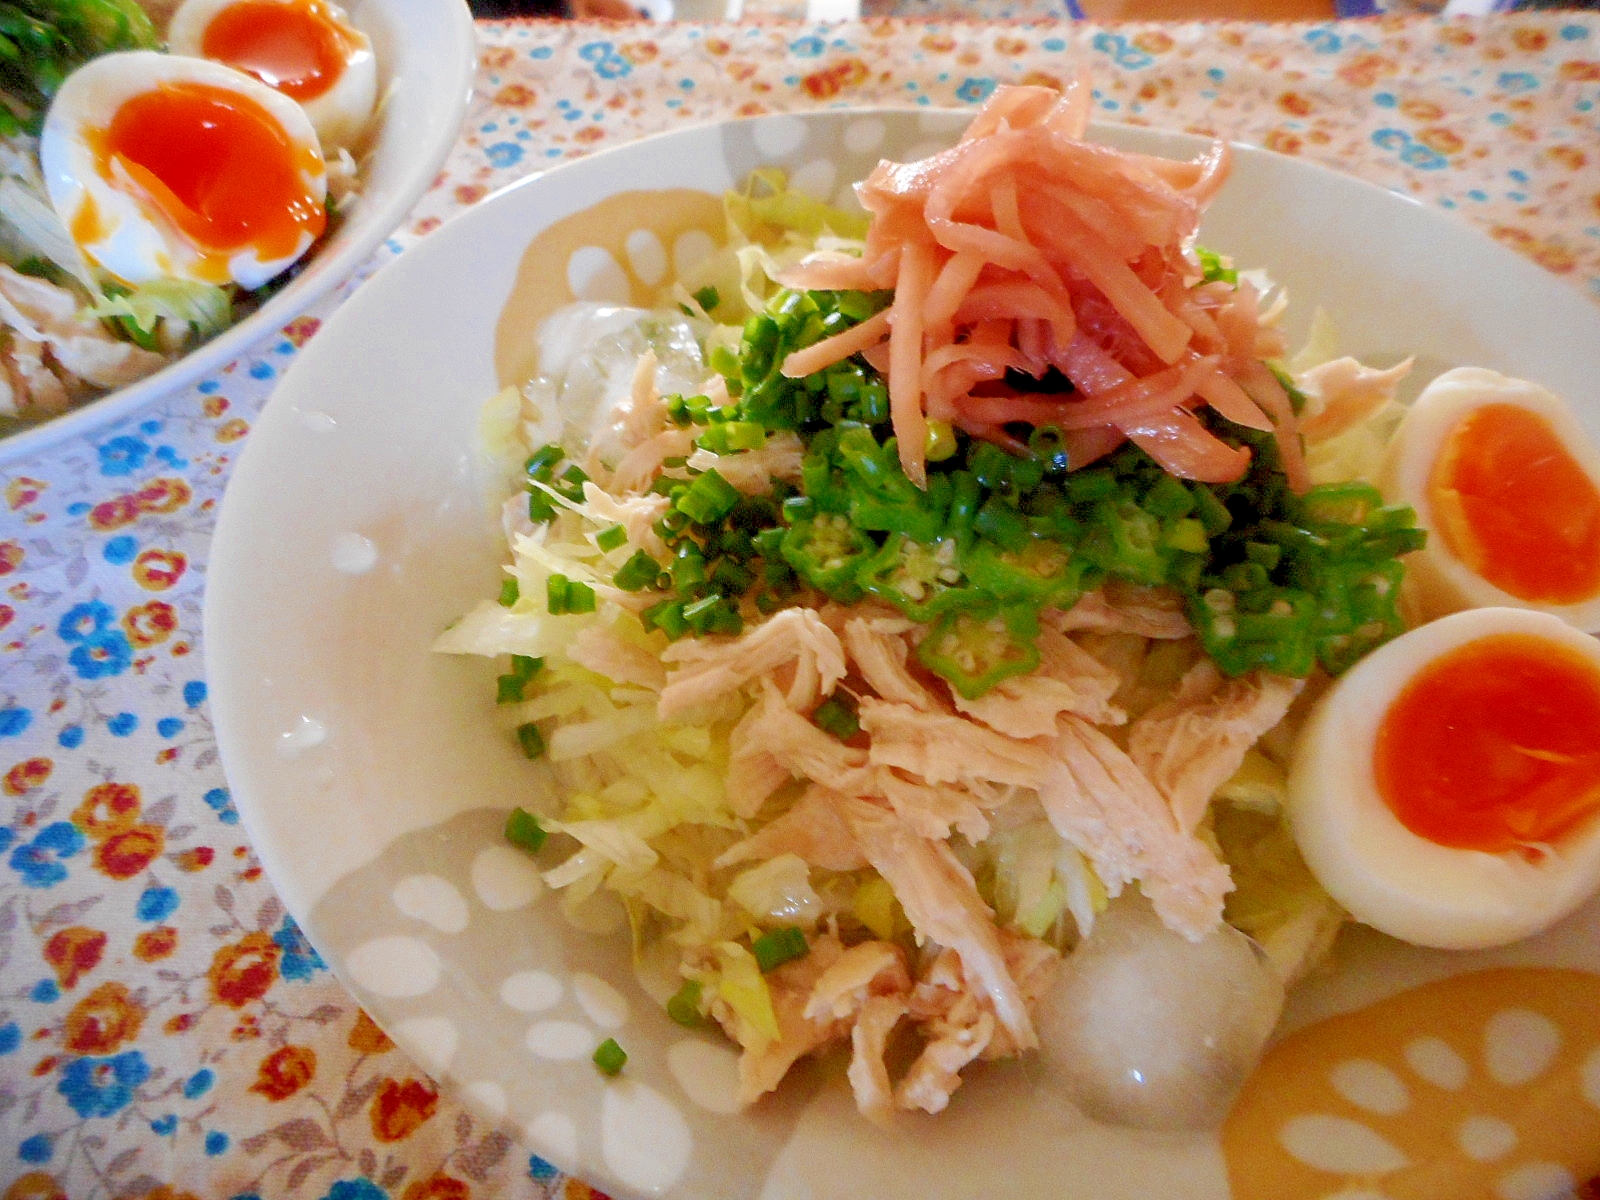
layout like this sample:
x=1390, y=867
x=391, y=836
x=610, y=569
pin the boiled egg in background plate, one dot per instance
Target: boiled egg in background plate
x=163, y=166
x=1507, y=484
x=306, y=49
x=1446, y=790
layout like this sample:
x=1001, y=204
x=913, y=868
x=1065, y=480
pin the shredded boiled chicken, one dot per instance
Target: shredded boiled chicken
x=51, y=355
x=1341, y=393
x=1191, y=744
x=930, y=767
x=795, y=641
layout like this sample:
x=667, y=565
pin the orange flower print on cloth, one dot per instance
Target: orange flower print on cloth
x=23, y=491
x=27, y=775
x=103, y=1020
x=163, y=496
x=366, y=1037
x=438, y=1187
x=35, y=1185
x=400, y=1108
x=152, y=945
x=243, y=971
x=126, y=854
x=285, y=1071
x=150, y=624
x=107, y=809
x=158, y=570
x=73, y=952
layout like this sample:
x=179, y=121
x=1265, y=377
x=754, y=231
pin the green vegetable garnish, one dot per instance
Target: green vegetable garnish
x=837, y=715
x=684, y=1005
x=44, y=41
x=1269, y=579
x=531, y=740
x=512, y=684
x=638, y=573
x=524, y=831
x=610, y=1057
x=778, y=946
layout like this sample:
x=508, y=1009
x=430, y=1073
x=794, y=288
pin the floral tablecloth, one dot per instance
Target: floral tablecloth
x=165, y=1029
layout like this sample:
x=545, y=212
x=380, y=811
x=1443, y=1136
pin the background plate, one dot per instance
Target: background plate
x=427, y=53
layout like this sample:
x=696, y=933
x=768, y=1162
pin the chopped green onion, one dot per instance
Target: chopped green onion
x=540, y=507
x=667, y=617
x=542, y=463
x=512, y=685
x=837, y=715
x=531, y=740
x=524, y=831
x=1169, y=498
x=1187, y=534
x=708, y=499
x=1213, y=268
x=730, y=437
x=610, y=1057
x=778, y=946
x=580, y=597
x=1049, y=445
x=509, y=593
x=609, y=539
x=725, y=362
x=1002, y=525
x=684, y=1005
x=638, y=573
x=707, y=298
x=555, y=594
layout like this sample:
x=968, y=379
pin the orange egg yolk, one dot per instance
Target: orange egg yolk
x=1514, y=505
x=298, y=46
x=219, y=166
x=1495, y=745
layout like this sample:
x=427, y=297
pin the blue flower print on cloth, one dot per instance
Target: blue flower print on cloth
x=102, y=1087
x=41, y=862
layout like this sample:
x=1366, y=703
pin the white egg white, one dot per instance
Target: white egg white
x=340, y=114
x=1437, y=582
x=136, y=241
x=1367, y=860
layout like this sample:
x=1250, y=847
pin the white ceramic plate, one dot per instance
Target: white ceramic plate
x=373, y=779
x=427, y=54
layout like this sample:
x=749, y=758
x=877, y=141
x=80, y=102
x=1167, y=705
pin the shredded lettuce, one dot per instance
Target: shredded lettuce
x=1258, y=784
x=770, y=226
x=30, y=228
x=741, y=986
x=768, y=210
x=777, y=892
x=151, y=310
x=1276, y=899
x=875, y=905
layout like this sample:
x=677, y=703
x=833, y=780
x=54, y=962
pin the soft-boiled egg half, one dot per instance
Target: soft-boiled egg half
x=1446, y=790
x=306, y=49
x=1507, y=484
x=163, y=166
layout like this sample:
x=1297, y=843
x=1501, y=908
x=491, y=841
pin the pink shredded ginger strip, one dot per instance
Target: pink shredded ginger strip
x=1025, y=248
